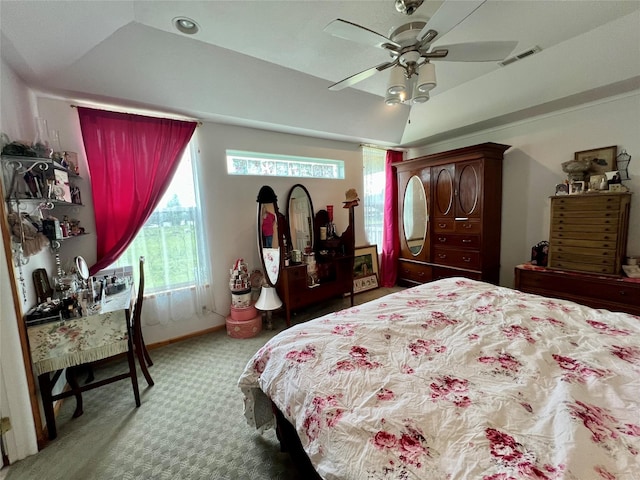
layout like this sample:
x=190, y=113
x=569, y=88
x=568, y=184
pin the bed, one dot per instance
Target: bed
x=457, y=379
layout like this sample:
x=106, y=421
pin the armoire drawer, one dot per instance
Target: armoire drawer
x=451, y=240
x=449, y=225
x=456, y=257
x=414, y=272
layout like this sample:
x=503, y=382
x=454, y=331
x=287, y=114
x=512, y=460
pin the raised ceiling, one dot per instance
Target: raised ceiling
x=268, y=64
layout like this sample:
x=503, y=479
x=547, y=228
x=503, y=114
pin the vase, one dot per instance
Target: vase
x=41, y=143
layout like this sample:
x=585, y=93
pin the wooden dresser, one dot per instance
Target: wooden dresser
x=463, y=193
x=589, y=232
x=618, y=294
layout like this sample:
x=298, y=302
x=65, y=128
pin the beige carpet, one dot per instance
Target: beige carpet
x=190, y=424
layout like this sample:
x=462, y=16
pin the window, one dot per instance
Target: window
x=265, y=164
x=373, y=160
x=171, y=240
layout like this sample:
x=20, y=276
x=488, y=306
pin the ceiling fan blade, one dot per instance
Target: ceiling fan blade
x=450, y=14
x=476, y=52
x=358, y=77
x=357, y=33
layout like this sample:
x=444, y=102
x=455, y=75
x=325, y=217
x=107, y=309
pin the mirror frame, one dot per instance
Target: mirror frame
x=311, y=216
x=82, y=268
x=404, y=212
x=267, y=196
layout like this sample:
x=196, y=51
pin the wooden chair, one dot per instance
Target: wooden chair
x=136, y=327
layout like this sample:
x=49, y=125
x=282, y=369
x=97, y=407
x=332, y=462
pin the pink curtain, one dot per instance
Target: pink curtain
x=390, y=236
x=132, y=159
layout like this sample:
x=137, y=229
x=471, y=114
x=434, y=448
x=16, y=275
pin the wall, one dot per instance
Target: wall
x=16, y=120
x=532, y=167
x=230, y=206
x=230, y=201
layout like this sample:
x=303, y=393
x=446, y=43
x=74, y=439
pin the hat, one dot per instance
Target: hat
x=351, y=199
x=351, y=196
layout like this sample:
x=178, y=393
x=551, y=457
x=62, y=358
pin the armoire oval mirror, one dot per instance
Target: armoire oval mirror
x=415, y=216
x=300, y=218
x=269, y=235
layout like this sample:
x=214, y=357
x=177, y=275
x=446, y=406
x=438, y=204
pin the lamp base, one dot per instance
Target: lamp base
x=269, y=320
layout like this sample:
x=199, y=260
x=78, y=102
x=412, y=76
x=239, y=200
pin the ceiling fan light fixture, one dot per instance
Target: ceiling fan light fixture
x=397, y=81
x=392, y=99
x=186, y=25
x=418, y=96
x=426, y=78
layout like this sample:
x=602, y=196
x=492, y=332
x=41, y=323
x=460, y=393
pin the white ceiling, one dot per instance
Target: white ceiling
x=267, y=64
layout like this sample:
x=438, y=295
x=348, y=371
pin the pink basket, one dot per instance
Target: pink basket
x=244, y=328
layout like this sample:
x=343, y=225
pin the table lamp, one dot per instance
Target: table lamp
x=267, y=302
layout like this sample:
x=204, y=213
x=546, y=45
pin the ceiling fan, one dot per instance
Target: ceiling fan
x=410, y=47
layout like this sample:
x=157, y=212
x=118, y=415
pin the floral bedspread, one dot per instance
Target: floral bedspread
x=458, y=379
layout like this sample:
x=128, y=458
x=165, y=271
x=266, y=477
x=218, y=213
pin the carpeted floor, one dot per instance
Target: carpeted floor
x=190, y=424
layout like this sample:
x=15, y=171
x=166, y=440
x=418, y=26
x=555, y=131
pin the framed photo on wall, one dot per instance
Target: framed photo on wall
x=602, y=159
x=365, y=268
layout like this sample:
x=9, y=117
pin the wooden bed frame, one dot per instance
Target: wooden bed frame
x=290, y=443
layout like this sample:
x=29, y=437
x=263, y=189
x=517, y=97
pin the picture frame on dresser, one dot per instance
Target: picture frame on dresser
x=602, y=159
x=576, y=188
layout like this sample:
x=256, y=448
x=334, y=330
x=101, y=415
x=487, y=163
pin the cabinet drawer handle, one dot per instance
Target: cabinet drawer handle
x=442, y=255
x=466, y=259
x=442, y=239
x=466, y=240
x=462, y=219
x=467, y=226
x=442, y=225
x=421, y=274
x=622, y=292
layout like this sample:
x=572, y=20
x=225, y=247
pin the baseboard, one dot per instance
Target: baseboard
x=185, y=337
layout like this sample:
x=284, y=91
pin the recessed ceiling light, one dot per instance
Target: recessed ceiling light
x=186, y=25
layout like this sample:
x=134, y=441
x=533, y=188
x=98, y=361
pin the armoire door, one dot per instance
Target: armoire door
x=468, y=189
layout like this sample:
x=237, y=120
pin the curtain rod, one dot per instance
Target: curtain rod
x=378, y=147
x=198, y=122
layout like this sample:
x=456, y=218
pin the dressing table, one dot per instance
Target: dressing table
x=102, y=333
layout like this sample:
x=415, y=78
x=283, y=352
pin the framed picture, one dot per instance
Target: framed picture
x=363, y=284
x=365, y=268
x=62, y=188
x=562, y=189
x=602, y=159
x=576, y=188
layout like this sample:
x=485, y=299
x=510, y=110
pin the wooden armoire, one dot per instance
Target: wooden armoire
x=449, y=214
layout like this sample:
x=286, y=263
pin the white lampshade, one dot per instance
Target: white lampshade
x=391, y=99
x=268, y=299
x=418, y=96
x=426, y=78
x=397, y=81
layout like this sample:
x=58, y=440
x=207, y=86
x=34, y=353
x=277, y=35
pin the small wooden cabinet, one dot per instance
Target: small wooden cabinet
x=618, y=294
x=463, y=190
x=589, y=232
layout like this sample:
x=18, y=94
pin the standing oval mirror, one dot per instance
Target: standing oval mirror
x=414, y=217
x=269, y=234
x=300, y=218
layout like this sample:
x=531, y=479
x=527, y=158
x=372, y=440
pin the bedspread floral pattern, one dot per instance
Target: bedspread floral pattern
x=459, y=379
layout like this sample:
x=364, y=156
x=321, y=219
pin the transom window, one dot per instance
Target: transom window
x=267, y=164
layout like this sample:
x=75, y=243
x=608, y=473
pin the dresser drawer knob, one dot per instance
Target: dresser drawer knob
x=442, y=255
x=623, y=293
x=466, y=240
x=466, y=259
x=442, y=239
x=442, y=225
